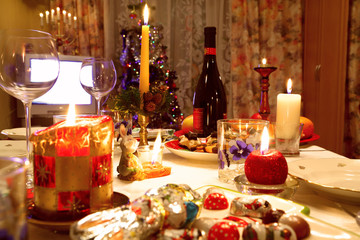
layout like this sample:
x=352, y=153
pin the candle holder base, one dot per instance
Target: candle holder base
x=155, y=170
x=285, y=190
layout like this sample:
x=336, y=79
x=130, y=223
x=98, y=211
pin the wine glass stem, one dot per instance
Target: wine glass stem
x=27, y=106
x=98, y=103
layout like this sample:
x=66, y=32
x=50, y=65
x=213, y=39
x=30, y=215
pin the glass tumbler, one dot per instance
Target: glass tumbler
x=12, y=199
x=237, y=138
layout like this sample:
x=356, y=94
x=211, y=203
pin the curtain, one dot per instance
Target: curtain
x=264, y=29
x=352, y=129
x=85, y=35
x=247, y=31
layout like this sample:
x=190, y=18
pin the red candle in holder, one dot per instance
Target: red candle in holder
x=73, y=168
x=264, y=166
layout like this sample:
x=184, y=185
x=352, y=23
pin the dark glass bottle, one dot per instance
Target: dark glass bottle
x=209, y=100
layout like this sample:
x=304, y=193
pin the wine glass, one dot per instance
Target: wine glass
x=98, y=78
x=29, y=67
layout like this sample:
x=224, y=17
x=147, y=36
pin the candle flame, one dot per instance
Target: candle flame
x=70, y=119
x=263, y=61
x=41, y=15
x=47, y=13
x=289, y=86
x=264, y=147
x=146, y=14
x=156, y=148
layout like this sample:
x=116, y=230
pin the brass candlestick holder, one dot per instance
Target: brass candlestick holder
x=143, y=122
x=264, y=71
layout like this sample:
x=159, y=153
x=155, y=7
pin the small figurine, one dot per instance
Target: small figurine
x=129, y=168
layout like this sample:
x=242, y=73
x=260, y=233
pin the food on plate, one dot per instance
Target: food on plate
x=308, y=128
x=260, y=231
x=224, y=230
x=300, y=226
x=269, y=168
x=170, y=206
x=172, y=212
x=191, y=142
x=249, y=207
x=215, y=199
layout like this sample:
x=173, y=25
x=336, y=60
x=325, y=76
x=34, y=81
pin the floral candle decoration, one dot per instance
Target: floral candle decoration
x=73, y=168
x=266, y=166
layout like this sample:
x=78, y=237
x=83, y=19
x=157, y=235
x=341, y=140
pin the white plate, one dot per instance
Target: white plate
x=173, y=146
x=319, y=229
x=337, y=178
x=12, y=148
x=19, y=133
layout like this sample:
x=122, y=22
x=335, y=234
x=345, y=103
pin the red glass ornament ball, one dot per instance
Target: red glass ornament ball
x=269, y=168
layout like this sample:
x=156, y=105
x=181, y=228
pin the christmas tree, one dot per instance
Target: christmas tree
x=168, y=114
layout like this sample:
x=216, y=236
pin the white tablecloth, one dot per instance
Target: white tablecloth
x=197, y=173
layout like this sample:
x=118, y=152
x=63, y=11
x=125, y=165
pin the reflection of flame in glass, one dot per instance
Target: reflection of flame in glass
x=264, y=147
x=70, y=119
x=156, y=149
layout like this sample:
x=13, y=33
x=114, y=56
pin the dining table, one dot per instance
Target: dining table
x=199, y=173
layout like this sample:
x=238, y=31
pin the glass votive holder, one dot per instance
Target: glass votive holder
x=148, y=156
x=12, y=198
x=237, y=138
x=287, y=138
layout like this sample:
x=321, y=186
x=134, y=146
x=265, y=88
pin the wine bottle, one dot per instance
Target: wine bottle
x=209, y=101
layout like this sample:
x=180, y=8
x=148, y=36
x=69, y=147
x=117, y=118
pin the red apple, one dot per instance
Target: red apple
x=269, y=169
x=256, y=116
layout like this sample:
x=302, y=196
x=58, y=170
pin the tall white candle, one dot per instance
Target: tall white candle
x=47, y=17
x=288, y=114
x=41, y=19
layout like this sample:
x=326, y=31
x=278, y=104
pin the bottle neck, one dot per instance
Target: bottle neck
x=210, y=51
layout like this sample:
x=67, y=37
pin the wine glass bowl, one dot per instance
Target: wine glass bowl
x=29, y=67
x=98, y=78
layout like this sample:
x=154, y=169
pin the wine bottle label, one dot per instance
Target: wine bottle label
x=198, y=117
x=210, y=51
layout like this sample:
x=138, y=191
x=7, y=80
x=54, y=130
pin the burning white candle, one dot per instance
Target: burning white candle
x=47, y=16
x=288, y=114
x=64, y=16
x=58, y=13
x=69, y=16
x=41, y=19
x=52, y=15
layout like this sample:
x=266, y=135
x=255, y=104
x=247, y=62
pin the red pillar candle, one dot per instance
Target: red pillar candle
x=73, y=168
x=268, y=167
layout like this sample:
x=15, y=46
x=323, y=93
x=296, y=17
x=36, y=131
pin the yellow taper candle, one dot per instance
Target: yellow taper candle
x=144, y=64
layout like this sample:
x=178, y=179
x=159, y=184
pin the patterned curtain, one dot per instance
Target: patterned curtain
x=264, y=29
x=352, y=129
x=86, y=33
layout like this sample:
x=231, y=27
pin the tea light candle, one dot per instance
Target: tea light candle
x=144, y=60
x=288, y=114
x=151, y=159
x=264, y=166
x=73, y=168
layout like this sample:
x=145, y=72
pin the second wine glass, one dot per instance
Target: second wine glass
x=98, y=78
